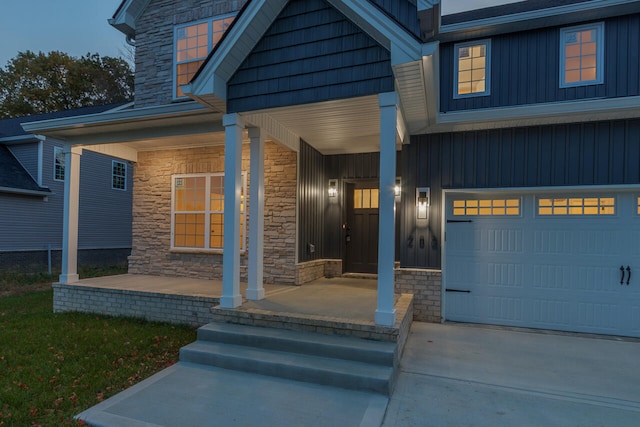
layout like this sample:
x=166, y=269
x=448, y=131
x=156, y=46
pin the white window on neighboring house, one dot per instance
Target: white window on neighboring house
x=472, y=69
x=582, y=55
x=197, y=211
x=193, y=43
x=118, y=175
x=58, y=164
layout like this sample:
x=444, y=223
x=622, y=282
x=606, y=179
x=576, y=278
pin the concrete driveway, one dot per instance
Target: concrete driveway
x=463, y=375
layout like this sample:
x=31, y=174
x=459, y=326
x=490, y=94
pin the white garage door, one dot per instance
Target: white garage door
x=567, y=261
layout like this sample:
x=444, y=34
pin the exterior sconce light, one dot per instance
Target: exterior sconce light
x=423, y=196
x=397, y=190
x=333, y=187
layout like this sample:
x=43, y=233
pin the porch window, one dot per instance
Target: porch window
x=58, y=164
x=197, y=219
x=193, y=43
x=472, y=69
x=582, y=55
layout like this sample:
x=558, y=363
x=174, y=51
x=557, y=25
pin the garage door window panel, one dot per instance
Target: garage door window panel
x=576, y=206
x=486, y=207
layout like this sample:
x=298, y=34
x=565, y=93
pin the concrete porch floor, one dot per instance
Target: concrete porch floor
x=347, y=298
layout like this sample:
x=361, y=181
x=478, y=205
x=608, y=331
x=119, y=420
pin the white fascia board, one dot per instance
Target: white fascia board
x=234, y=48
x=531, y=15
x=539, y=114
x=168, y=110
x=402, y=45
x=25, y=192
x=21, y=139
x=427, y=4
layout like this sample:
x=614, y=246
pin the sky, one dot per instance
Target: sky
x=78, y=27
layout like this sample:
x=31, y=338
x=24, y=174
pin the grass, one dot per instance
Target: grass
x=53, y=366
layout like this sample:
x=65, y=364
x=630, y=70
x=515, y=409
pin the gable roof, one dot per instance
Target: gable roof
x=209, y=85
x=14, y=178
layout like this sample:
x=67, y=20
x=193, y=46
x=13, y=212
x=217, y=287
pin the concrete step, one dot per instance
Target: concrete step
x=335, y=372
x=348, y=348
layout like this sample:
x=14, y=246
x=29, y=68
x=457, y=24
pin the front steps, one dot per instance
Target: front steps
x=346, y=362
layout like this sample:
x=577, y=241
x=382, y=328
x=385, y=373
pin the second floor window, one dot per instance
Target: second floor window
x=193, y=42
x=58, y=164
x=472, y=69
x=582, y=55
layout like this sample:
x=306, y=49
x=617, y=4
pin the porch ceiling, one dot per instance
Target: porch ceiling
x=333, y=127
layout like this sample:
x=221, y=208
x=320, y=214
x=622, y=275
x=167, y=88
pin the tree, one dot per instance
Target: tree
x=41, y=83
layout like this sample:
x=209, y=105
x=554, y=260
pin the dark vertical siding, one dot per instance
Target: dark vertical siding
x=525, y=68
x=599, y=153
x=311, y=202
x=310, y=53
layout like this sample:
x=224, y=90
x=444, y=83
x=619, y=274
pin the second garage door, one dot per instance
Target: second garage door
x=565, y=261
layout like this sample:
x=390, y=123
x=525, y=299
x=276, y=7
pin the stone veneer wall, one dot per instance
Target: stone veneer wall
x=426, y=287
x=151, y=252
x=154, y=43
x=316, y=269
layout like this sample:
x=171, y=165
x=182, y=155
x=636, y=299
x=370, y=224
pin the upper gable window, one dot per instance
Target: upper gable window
x=582, y=55
x=193, y=42
x=472, y=69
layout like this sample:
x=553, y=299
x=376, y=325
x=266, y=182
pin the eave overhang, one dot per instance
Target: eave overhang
x=22, y=192
x=127, y=15
x=548, y=17
x=538, y=114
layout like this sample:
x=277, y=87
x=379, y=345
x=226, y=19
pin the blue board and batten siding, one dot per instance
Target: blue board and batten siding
x=525, y=68
x=321, y=217
x=598, y=153
x=404, y=12
x=311, y=53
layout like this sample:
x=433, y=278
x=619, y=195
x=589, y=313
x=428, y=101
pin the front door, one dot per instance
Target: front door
x=361, y=230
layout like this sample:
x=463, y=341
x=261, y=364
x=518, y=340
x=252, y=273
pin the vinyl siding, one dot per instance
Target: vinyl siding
x=599, y=153
x=403, y=12
x=311, y=53
x=525, y=68
x=32, y=223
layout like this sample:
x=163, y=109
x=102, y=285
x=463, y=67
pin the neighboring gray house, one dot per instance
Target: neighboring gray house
x=32, y=174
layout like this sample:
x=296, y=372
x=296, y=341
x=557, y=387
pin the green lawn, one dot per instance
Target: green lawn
x=53, y=366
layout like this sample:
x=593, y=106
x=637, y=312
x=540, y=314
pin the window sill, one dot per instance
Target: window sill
x=201, y=251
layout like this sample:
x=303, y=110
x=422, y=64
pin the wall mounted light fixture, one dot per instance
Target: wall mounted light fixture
x=333, y=187
x=423, y=196
x=397, y=190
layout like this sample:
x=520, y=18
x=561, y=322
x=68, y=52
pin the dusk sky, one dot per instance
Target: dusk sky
x=78, y=27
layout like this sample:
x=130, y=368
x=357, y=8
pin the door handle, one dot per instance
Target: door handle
x=628, y=275
x=622, y=275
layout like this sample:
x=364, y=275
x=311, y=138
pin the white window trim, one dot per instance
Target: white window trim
x=207, y=223
x=57, y=150
x=209, y=22
x=113, y=164
x=487, y=87
x=599, y=27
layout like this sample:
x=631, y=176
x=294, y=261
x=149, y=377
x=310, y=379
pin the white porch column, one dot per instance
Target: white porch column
x=231, y=297
x=385, y=312
x=70, y=214
x=255, y=290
